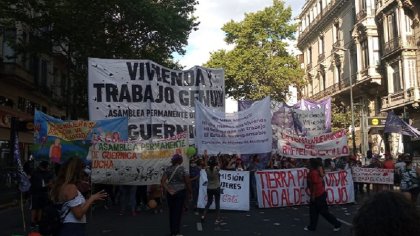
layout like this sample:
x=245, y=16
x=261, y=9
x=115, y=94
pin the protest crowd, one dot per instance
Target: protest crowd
x=257, y=157
x=131, y=199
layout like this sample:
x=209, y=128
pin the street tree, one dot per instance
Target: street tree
x=259, y=63
x=148, y=29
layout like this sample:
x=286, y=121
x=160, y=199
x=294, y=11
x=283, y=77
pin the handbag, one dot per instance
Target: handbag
x=172, y=175
x=168, y=188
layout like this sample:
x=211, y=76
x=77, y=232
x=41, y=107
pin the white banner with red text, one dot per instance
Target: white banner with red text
x=373, y=175
x=235, y=188
x=288, y=187
x=329, y=145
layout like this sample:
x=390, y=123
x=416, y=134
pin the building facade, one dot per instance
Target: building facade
x=27, y=82
x=342, y=46
x=398, y=24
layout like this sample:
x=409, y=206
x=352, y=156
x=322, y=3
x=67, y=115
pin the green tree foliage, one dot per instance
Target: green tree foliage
x=145, y=29
x=341, y=116
x=259, y=64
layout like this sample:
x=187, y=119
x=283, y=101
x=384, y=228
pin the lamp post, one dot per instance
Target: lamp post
x=353, y=135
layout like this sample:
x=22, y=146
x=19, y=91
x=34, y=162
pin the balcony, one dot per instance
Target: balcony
x=321, y=57
x=333, y=89
x=361, y=14
x=397, y=43
x=334, y=4
x=338, y=44
x=309, y=66
x=17, y=74
x=401, y=98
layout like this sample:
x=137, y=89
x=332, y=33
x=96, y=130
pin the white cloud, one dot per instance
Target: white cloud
x=213, y=14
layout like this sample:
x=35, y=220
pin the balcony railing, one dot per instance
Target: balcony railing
x=341, y=85
x=400, y=98
x=315, y=21
x=338, y=44
x=361, y=14
x=397, y=43
x=321, y=56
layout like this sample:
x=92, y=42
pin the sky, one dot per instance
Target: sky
x=212, y=15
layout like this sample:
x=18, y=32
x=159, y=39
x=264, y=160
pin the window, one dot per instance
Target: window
x=396, y=78
x=365, y=54
x=320, y=6
x=44, y=73
x=322, y=81
x=376, y=59
x=411, y=73
x=408, y=24
x=321, y=45
x=309, y=59
x=392, y=27
x=362, y=4
x=336, y=32
x=337, y=73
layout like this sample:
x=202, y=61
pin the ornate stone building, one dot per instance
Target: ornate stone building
x=376, y=44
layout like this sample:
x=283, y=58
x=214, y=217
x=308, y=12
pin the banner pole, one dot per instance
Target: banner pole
x=23, y=212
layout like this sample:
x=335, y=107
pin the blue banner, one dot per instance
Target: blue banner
x=57, y=140
x=394, y=124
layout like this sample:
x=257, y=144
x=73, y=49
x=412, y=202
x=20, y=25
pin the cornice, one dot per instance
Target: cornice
x=328, y=17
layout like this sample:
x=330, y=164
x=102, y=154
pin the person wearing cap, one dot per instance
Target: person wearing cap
x=410, y=179
x=176, y=182
x=41, y=181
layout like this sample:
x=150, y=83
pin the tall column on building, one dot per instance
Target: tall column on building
x=365, y=129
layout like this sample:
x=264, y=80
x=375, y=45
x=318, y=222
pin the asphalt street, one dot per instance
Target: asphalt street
x=274, y=221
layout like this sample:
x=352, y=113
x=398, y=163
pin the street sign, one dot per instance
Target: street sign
x=376, y=121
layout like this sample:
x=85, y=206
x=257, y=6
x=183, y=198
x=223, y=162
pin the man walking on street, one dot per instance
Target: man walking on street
x=318, y=203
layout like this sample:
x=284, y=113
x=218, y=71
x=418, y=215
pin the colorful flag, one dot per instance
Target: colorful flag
x=24, y=183
x=395, y=124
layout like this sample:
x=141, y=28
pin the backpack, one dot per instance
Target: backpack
x=52, y=219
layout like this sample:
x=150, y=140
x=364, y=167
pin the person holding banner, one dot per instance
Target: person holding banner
x=213, y=187
x=318, y=202
x=175, y=181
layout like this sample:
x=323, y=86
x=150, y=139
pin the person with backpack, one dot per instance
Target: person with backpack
x=41, y=180
x=318, y=197
x=73, y=205
x=175, y=181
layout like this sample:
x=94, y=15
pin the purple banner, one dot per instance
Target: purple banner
x=325, y=104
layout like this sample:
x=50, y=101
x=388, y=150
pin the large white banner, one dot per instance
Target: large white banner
x=139, y=163
x=328, y=145
x=245, y=132
x=312, y=122
x=373, y=175
x=288, y=187
x=158, y=101
x=235, y=188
